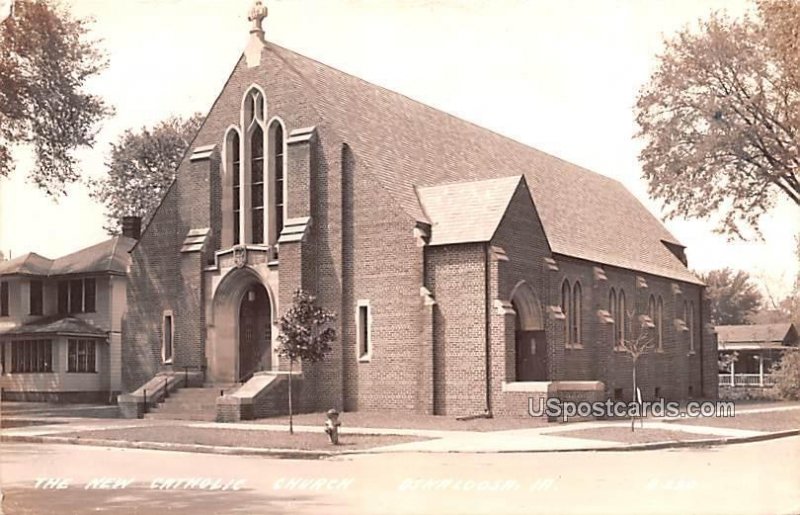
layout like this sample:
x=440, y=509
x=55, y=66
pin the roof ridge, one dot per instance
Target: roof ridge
x=333, y=122
x=442, y=111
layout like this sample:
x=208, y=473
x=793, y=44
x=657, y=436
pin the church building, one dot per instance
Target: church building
x=468, y=272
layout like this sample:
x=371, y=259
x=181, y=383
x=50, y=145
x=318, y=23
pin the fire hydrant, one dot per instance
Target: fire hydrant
x=332, y=424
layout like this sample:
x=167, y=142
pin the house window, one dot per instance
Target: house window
x=167, y=335
x=89, y=295
x=31, y=356
x=81, y=356
x=37, y=298
x=612, y=311
x=76, y=296
x=565, y=308
x=621, y=314
x=2, y=358
x=364, y=330
x=277, y=163
x=233, y=145
x=4, y=299
x=63, y=297
x=577, y=312
x=257, y=185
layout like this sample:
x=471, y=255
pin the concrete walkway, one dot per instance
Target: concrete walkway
x=540, y=438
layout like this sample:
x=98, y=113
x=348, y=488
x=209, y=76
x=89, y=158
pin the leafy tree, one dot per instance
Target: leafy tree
x=45, y=61
x=734, y=298
x=720, y=117
x=637, y=342
x=306, y=334
x=786, y=374
x=141, y=167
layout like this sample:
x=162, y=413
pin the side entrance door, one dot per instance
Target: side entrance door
x=531, y=360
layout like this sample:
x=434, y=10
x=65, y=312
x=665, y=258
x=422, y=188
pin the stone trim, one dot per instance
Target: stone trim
x=195, y=240
x=295, y=229
x=202, y=153
x=302, y=135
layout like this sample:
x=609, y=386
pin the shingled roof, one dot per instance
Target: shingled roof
x=56, y=325
x=110, y=256
x=449, y=207
x=730, y=336
x=405, y=144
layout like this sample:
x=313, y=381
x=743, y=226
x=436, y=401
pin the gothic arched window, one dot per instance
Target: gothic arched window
x=621, y=314
x=235, y=171
x=277, y=164
x=565, y=308
x=612, y=312
x=577, y=312
x=257, y=185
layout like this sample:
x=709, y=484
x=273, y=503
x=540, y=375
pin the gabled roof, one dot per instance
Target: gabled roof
x=55, y=325
x=405, y=144
x=756, y=334
x=466, y=212
x=110, y=256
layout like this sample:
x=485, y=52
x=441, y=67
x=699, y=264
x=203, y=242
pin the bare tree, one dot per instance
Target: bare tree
x=637, y=342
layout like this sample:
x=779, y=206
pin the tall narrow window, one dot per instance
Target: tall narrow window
x=76, y=296
x=4, y=299
x=166, y=337
x=612, y=311
x=363, y=331
x=37, y=297
x=577, y=312
x=565, y=308
x=621, y=314
x=257, y=185
x=237, y=199
x=89, y=295
x=277, y=166
x=63, y=297
x=659, y=323
x=688, y=316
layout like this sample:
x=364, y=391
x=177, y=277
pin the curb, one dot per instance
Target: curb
x=318, y=454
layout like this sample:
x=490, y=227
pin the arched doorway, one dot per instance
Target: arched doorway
x=255, y=332
x=530, y=339
x=240, y=328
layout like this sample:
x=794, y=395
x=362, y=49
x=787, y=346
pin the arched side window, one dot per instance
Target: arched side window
x=621, y=314
x=577, y=313
x=234, y=159
x=565, y=308
x=257, y=186
x=659, y=321
x=277, y=165
x=612, y=311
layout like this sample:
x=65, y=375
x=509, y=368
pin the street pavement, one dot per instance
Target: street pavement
x=752, y=478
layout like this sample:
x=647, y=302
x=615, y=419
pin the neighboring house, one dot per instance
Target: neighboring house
x=756, y=348
x=61, y=321
x=469, y=272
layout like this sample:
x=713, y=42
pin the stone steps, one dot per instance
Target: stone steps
x=189, y=404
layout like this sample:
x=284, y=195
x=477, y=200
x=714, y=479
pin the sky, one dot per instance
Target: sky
x=561, y=76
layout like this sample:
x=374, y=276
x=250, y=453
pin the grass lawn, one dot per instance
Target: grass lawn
x=769, y=421
x=625, y=435
x=396, y=420
x=242, y=438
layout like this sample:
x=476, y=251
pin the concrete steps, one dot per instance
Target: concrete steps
x=189, y=404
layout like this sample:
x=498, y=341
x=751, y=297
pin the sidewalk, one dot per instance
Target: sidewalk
x=551, y=438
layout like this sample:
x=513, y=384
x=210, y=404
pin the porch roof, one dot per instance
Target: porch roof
x=62, y=326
